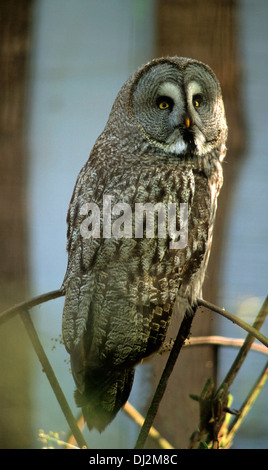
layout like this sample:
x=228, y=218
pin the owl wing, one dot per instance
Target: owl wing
x=77, y=283
x=120, y=292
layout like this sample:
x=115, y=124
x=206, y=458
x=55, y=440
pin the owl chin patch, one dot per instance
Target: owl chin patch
x=178, y=147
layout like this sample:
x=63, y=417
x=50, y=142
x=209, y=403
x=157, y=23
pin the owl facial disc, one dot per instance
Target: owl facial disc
x=177, y=107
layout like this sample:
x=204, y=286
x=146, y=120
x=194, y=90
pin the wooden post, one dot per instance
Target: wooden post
x=15, y=18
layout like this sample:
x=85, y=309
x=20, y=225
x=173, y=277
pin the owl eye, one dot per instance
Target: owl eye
x=197, y=101
x=164, y=102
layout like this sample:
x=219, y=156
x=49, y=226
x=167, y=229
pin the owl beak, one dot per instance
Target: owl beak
x=187, y=122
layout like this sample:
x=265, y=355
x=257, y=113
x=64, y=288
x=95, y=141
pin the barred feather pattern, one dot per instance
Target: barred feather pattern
x=120, y=293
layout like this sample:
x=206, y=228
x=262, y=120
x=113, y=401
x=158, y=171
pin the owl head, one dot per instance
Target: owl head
x=177, y=105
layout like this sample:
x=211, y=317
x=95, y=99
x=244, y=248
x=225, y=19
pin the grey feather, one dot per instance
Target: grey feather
x=120, y=293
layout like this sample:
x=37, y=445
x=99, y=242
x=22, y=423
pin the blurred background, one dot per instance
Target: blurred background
x=63, y=62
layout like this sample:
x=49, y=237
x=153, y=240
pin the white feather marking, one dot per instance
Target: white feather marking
x=171, y=90
x=193, y=88
x=177, y=147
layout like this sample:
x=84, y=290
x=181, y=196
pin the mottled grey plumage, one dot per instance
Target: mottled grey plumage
x=164, y=142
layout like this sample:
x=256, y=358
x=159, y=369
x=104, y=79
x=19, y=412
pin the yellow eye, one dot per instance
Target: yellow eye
x=164, y=102
x=163, y=105
x=197, y=101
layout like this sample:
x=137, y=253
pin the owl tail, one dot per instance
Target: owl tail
x=104, y=395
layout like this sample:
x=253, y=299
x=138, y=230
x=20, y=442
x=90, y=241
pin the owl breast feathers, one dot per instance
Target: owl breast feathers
x=140, y=225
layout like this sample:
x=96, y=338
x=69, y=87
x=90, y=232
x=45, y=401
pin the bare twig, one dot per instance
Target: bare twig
x=40, y=299
x=160, y=390
x=52, y=378
x=252, y=396
x=221, y=396
x=246, y=346
x=71, y=440
x=250, y=329
x=153, y=433
x=214, y=340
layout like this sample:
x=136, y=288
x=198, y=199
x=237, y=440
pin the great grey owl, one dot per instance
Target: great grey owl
x=163, y=146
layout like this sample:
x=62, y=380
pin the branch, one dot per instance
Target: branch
x=29, y=326
x=160, y=390
x=216, y=404
x=18, y=308
x=246, y=406
x=213, y=340
x=246, y=346
x=250, y=329
x=153, y=433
